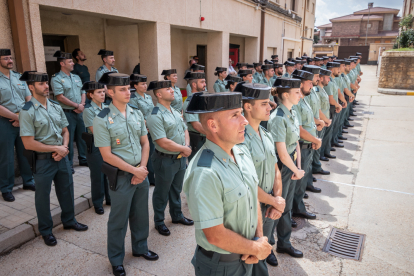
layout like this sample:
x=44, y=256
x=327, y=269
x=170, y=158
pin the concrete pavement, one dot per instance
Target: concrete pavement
x=370, y=191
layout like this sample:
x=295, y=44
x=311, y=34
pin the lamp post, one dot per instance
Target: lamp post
x=370, y=5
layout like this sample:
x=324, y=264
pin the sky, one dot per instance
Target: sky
x=327, y=9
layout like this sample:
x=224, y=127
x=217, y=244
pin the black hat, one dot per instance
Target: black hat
x=233, y=79
x=114, y=79
x=34, y=76
x=197, y=67
x=325, y=72
x=289, y=63
x=221, y=69
x=354, y=60
x=304, y=57
x=358, y=54
x=241, y=64
x=213, y=102
x=92, y=85
x=168, y=72
x=334, y=56
x=347, y=62
x=195, y=76
x=297, y=61
x=309, y=60
x=255, y=64
x=341, y=61
x=333, y=65
x=245, y=72
x=298, y=58
x=255, y=91
x=267, y=66
x=62, y=55
x=303, y=62
x=251, y=66
x=277, y=65
x=303, y=75
x=5, y=52
x=274, y=57
x=103, y=52
x=325, y=57
x=139, y=78
x=268, y=61
x=311, y=68
x=317, y=58
x=287, y=83
x=155, y=85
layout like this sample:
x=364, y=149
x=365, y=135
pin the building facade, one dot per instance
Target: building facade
x=408, y=8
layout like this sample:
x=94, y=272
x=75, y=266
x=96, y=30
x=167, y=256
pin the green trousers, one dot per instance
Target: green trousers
x=76, y=127
x=150, y=167
x=169, y=176
x=128, y=203
x=205, y=266
x=60, y=173
x=336, y=127
x=99, y=183
x=327, y=138
x=306, y=162
x=316, y=163
x=10, y=139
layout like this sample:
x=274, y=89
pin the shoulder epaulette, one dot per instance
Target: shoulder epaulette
x=17, y=72
x=316, y=89
x=115, y=68
x=27, y=105
x=189, y=98
x=264, y=129
x=100, y=68
x=206, y=158
x=133, y=106
x=280, y=112
x=155, y=110
x=217, y=81
x=55, y=102
x=54, y=75
x=133, y=95
x=88, y=105
x=104, y=112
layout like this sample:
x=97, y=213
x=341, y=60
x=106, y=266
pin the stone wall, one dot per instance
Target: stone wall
x=397, y=70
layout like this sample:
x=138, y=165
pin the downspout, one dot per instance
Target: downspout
x=303, y=29
x=262, y=33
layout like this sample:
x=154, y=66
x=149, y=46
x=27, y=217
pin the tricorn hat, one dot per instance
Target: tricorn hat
x=289, y=63
x=221, y=69
x=341, y=61
x=155, y=85
x=233, y=79
x=311, y=68
x=274, y=56
x=197, y=67
x=92, y=85
x=213, y=102
x=325, y=72
x=287, y=83
x=168, y=72
x=255, y=91
x=138, y=78
x=103, y=52
x=195, y=76
x=303, y=75
x=33, y=76
x=333, y=64
x=5, y=52
x=114, y=79
x=267, y=66
x=277, y=65
x=245, y=72
x=358, y=54
x=62, y=55
x=241, y=64
x=255, y=64
x=268, y=61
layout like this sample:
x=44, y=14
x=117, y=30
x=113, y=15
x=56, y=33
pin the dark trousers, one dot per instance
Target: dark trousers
x=169, y=176
x=327, y=138
x=129, y=203
x=150, y=167
x=99, y=183
x=76, y=127
x=60, y=173
x=306, y=162
x=196, y=142
x=336, y=126
x=10, y=139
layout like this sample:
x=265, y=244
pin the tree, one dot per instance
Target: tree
x=406, y=37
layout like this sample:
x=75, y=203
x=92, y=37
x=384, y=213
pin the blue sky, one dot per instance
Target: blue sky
x=327, y=9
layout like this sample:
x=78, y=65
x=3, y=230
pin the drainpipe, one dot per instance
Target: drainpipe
x=303, y=29
x=262, y=33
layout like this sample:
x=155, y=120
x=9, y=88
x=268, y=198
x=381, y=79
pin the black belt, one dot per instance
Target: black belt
x=306, y=146
x=70, y=110
x=123, y=173
x=172, y=156
x=223, y=257
x=43, y=155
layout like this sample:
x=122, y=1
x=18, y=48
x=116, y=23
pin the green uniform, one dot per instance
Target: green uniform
x=323, y=66
x=257, y=77
x=323, y=100
x=102, y=70
x=45, y=124
x=284, y=127
x=287, y=75
x=82, y=71
x=189, y=92
x=333, y=90
x=326, y=108
x=269, y=83
x=178, y=99
x=169, y=168
x=99, y=183
x=221, y=191
x=220, y=86
x=338, y=131
x=70, y=86
x=358, y=68
x=197, y=139
x=129, y=202
x=262, y=150
x=13, y=93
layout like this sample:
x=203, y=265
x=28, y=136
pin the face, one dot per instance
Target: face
x=258, y=69
x=270, y=72
x=223, y=74
x=248, y=78
x=229, y=125
x=293, y=96
x=230, y=62
x=81, y=56
x=342, y=68
x=324, y=80
x=98, y=95
x=6, y=62
x=306, y=87
x=297, y=66
x=353, y=65
x=335, y=71
x=173, y=78
x=166, y=94
x=260, y=110
x=141, y=87
x=40, y=89
x=279, y=71
x=315, y=81
x=347, y=68
x=110, y=60
x=121, y=94
x=233, y=86
x=243, y=68
x=200, y=85
x=67, y=64
x=196, y=59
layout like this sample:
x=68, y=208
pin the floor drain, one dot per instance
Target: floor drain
x=369, y=112
x=344, y=244
x=301, y=222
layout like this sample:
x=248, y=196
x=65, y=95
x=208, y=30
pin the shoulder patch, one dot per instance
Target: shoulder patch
x=103, y=113
x=155, y=110
x=217, y=81
x=133, y=95
x=280, y=112
x=133, y=106
x=54, y=75
x=17, y=72
x=316, y=89
x=27, y=105
x=189, y=98
x=206, y=158
x=55, y=102
x=88, y=105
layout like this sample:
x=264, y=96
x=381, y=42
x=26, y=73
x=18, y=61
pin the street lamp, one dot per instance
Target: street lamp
x=370, y=5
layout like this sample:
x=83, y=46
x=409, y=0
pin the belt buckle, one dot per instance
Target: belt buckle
x=179, y=156
x=295, y=156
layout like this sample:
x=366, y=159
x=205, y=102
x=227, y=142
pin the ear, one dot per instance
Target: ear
x=212, y=125
x=110, y=92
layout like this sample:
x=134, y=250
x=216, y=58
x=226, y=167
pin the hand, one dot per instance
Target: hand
x=77, y=111
x=15, y=123
x=272, y=213
x=81, y=107
x=186, y=151
x=56, y=157
x=338, y=108
x=319, y=125
x=329, y=123
x=318, y=144
x=140, y=174
x=264, y=248
x=62, y=150
x=298, y=175
x=351, y=99
x=250, y=259
x=344, y=105
x=279, y=203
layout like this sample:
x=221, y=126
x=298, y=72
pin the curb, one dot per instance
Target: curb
x=25, y=232
x=402, y=92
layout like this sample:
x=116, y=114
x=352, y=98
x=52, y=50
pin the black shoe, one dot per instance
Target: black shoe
x=184, y=221
x=353, y=115
x=344, y=127
x=330, y=156
x=313, y=189
x=118, y=270
x=305, y=196
x=8, y=197
x=291, y=251
x=340, y=142
x=50, y=240
x=108, y=203
x=305, y=215
x=323, y=158
x=314, y=179
x=342, y=138
x=322, y=172
x=349, y=125
x=29, y=187
x=99, y=210
x=271, y=259
x=294, y=224
x=349, y=119
x=83, y=164
x=337, y=145
x=77, y=227
x=149, y=256
x=333, y=149
x=152, y=184
x=344, y=131
x=163, y=230
x=73, y=170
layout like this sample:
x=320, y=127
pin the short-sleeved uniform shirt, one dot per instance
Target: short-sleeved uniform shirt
x=287, y=75
x=45, y=124
x=13, y=92
x=324, y=100
x=339, y=83
x=220, y=86
x=332, y=89
x=122, y=134
x=82, y=71
x=306, y=118
x=314, y=102
x=90, y=112
x=178, y=99
x=358, y=67
x=257, y=77
x=284, y=127
x=269, y=83
x=145, y=104
x=224, y=192
x=163, y=123
x=70, y=86
x=262, y=150
x=103, y=69
x=189, y=118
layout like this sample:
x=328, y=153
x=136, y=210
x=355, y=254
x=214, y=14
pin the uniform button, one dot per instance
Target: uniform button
x=251, y=207
x=239, y=194
x=252, y=226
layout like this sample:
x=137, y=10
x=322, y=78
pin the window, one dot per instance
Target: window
x=387, y=41
x=307, y=5
x=313, y=8
x=293, y=6
x=377, y=41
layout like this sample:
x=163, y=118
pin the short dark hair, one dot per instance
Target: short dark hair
x=111, y=87
x=133, y=83
x=75, y=53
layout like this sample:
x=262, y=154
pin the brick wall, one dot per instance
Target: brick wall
x=345, y=28
x=373, y=30
x=396, y=70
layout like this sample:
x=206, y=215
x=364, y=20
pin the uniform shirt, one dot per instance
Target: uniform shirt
x=287, y=75
x=269, y=83
x=121, y=133
x=305, y=117
x=284, y=127
x=347, y=82
x=145, y=104
x=190, y=117
x=13, y=92
x=324, y=100
x=223, y=193
x=70, y=86
x=358, y=67
x=178, y=99
x=90, y=112
x=323, y=66
x=257, y=77
x=220, y=86
x=44, y=124
x=82, y=71
x=103, y=69
x=163, y=123
x=314, y=102
x=262, y=150
x=339, y=83
x=332, y=89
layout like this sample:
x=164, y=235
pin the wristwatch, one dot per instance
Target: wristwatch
x=190, y=147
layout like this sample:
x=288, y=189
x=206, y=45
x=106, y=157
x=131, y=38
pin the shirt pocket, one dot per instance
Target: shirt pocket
x=118, y=136
x=258, y=158
x=236, y=200
x=5, y=94
x=40, y=122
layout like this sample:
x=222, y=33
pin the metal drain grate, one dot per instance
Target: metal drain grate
x=369, y=112
x=344, y=244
